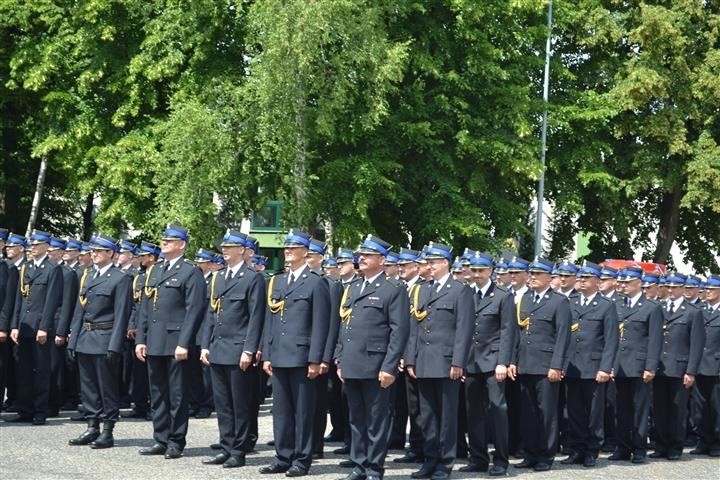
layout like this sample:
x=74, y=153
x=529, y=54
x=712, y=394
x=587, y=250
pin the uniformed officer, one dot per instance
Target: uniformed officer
x=683, y=342
x=98, y=330
x=38, y=297
x=707, y=394
x=391, y=265
x=176, y=296
x=490, y=355
x=339, y=416
x=232, y=336
x=406, y=386
x=608, y=283
x=692, y=289
x=201, y=393
x=606, y=287
x=517, y=269
x=148, y=254
x=15, y=247
x=373, y=335
x=295, y=336
x=650, y=285
x=314, y=259
x=593, y=346
x=436, y=355
x=63, y=317
x=635, y=365
x=543, y=319
x=502, y=278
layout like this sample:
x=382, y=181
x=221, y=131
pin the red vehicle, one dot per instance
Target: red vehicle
x=648, y=267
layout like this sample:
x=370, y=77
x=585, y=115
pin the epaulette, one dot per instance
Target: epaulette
x=394, y=282
x=501, y=288
x=650, y=300
x=314, y=273
x=189, y=262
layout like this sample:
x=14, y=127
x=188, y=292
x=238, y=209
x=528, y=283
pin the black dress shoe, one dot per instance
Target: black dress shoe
x=234, y=461
x=440, y=475
x=608, y=448
x=699, y=450
x=20, y=419
x=714, y=452
x=202, y=414
x=497, y=471
x=216, y=446
x=373, y=476
x=409, y=457
x=590, y=461
x=639, y=458
x=157, y=449
x=344, y=450
x=331, y=437
x=619, y=455
x=133, y=414
x=657, y=454
x=38, y=421
x=525, y=464
x=396, y=446
x=473, y=467
x=673, y=456
x=273, y=468
x=317, y=455
x=172, y=453
x=574, y=459
x=354, y=476
x=271, y=443
x=541, y=467
x=296, y=471
x=425, y=471
x=346, y=464
x=218, y=459
x=79, y=417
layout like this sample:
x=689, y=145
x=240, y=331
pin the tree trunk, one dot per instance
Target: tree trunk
x=87, y=216
x=669, y=220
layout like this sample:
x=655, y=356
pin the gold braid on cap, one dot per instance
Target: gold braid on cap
x=24, y=289
x=345, y=312
x=418, y=314
x=276, y=306
x=524, y=324
x=82, y=298
x=150, y=292
x=214, y=302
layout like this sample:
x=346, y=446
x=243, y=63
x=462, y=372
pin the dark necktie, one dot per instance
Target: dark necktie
x=364, y=285
x=292, y=279
x=537, y=298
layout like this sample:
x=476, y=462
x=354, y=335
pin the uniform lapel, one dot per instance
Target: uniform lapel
x=298, y=281
x=170, y=271
x=435, y=295
x=227, y=284
x=371, y=287
x=482, y=303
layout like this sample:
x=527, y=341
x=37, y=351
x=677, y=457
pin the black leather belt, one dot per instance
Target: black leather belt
x=98, y=326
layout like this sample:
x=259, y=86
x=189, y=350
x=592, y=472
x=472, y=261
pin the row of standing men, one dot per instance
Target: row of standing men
x=408, y=342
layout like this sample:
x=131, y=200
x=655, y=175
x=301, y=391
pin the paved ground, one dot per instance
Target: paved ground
x=42, y=452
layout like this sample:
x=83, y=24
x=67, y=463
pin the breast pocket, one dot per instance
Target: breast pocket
x=377, y=346
x=237, y=297
x=374, y=304
x=446, y=307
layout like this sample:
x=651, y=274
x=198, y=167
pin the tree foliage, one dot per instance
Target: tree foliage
x=417, y=120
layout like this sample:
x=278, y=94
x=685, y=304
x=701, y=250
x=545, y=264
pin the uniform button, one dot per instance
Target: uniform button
x=348, y=339
x=577, y=339
x=427, y=343
x=219, y=323
x=282, y=333
x=528, y=342
x=219, y=337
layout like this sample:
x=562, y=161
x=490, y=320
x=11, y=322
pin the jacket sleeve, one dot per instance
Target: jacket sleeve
x=507, y=330
x=8, y=306
x=53, y=299
x=121, y=312
x=69, y=300
x=464, y=326
x=611, y=335
x=398, y=313
x=410, y=354
x=697, y=342
x=336, y=291
x=195, y=297
x=257, y=302
x=656, y=320
x=320, y=320
x=563, y=318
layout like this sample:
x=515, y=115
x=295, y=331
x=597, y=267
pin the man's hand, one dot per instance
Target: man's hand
x=141, y=351
x=205, y=356
x=313, y=370
x=267, y=368
x=401, y=365
x=339, y=374
x=688, y=380
x=501, y=373
x=131, y=333
x=41, y=337
x=512, y=372
x=3, y=336
x=60, y=340
x=554, y=375
x=246, y=360
x=181, y=353
x=258, y=358
x=455, y=372
x=385, y=379
x=648, y=376
x=602, y=377
x=410, y=370
x=324, y=367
